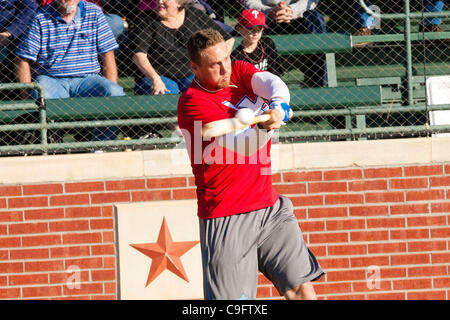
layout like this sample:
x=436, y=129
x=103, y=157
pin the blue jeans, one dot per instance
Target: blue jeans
x=363, y=19
x=143, y=85
x=90, y=86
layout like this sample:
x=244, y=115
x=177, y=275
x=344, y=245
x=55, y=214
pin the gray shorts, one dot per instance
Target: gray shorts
x=235, y=247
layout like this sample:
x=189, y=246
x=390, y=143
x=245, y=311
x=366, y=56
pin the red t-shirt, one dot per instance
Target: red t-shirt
x=227, y=183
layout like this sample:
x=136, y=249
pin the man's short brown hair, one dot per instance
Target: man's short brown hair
x=200, y=41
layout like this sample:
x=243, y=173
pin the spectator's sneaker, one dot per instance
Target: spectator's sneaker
x=362, y=32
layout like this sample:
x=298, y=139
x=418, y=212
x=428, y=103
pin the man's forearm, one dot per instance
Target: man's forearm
x=23, y=71
x=109, y=66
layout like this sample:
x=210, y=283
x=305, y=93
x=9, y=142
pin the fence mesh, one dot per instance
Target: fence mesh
x=347, y=72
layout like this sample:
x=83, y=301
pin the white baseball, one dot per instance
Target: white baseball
x=245, y=115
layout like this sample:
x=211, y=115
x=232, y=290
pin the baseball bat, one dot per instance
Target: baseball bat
x=224, y=126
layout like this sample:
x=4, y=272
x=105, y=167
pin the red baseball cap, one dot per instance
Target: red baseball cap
x=251, y=18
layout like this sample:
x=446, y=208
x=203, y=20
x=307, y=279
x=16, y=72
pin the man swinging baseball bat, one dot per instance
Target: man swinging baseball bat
x=245, y=225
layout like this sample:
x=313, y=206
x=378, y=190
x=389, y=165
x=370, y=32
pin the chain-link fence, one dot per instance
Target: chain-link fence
x=352, y=75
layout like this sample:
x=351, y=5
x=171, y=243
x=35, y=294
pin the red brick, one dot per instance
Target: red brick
x=319, y=251
x=423, y=170
x=181, y=194
x=411, y=284
x=160, y=183
x=440, y=232
x=110, y=197
x=342, y=174
x=302, y=176
x=410, y=259
x=39, y=266
x=364, y=185
x=43, y=240
x=108, y=236
x=427, y=221
x=103, y=275
x=9, y=191
x=321, y=187
x=369, y=235
x=387, y=296
x=440, y=257
x=67, y=277
x=263, y=292
x=427, y=271
x=425, y=195
x=369, y=211
x=85, y=288
x=69, y=200
x=328, y=237
x=3, y=229
x=300, y=214
x=3, y=203
x=104, y=249
x=300, y=201
x=410, y=208
x=10, y=242
x=332, y=288
x=27, y=202
x=409, y=234
x=69, y=251
x=78, y=238
x=29, y=254
x=84, y=187
x=346, y=275
x=346, y=224
x=409, y=183
x=11, y=216
x=440, y=207
x=385, y=197
x=443, y=282
x=343, y=198
x=440, y=181
x=386, y=223
x=311, y=226
x=392, y=273
x=9, y=293
x=42, y=189
x=30, y=292
x=125, y=184
x=348, y=249
x=11, y=267
x=69, y=225
x=290, y=188
x=276, y=178
x=334, y=263
x=427, y=246
x=44, y=214
x=427, y=295
x=151, y=195
x=383, y=172
x=387, y=247
x=4, y=255
x=109, y=262
x=367, y=286
x=83, y=212
x=107, y=211
x=327, y=212
x=86, y=263
x=101, y=223
x=24, y=279
x=369, y=261
x=28, y=228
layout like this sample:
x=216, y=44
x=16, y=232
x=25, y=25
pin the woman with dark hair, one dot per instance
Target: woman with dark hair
x=159, y=49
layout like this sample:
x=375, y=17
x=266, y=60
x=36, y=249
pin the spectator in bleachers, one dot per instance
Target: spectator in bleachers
x=15, y=16
x=64, y=43
x=160, y=46
x=254, y=48
x=365, y=23
x=117, y=24
x=291, y=17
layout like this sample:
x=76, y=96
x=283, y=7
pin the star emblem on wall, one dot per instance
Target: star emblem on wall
x=165, y=254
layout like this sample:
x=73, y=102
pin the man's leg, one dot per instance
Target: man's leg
x=433, y=6
x=53, y=88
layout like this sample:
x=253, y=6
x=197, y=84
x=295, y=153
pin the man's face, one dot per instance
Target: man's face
x=67, y=7
x=251, y=35
x=214, y=70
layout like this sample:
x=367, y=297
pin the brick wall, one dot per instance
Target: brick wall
x=362, y=222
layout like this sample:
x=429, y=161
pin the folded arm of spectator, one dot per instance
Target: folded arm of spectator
x=301, y=6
